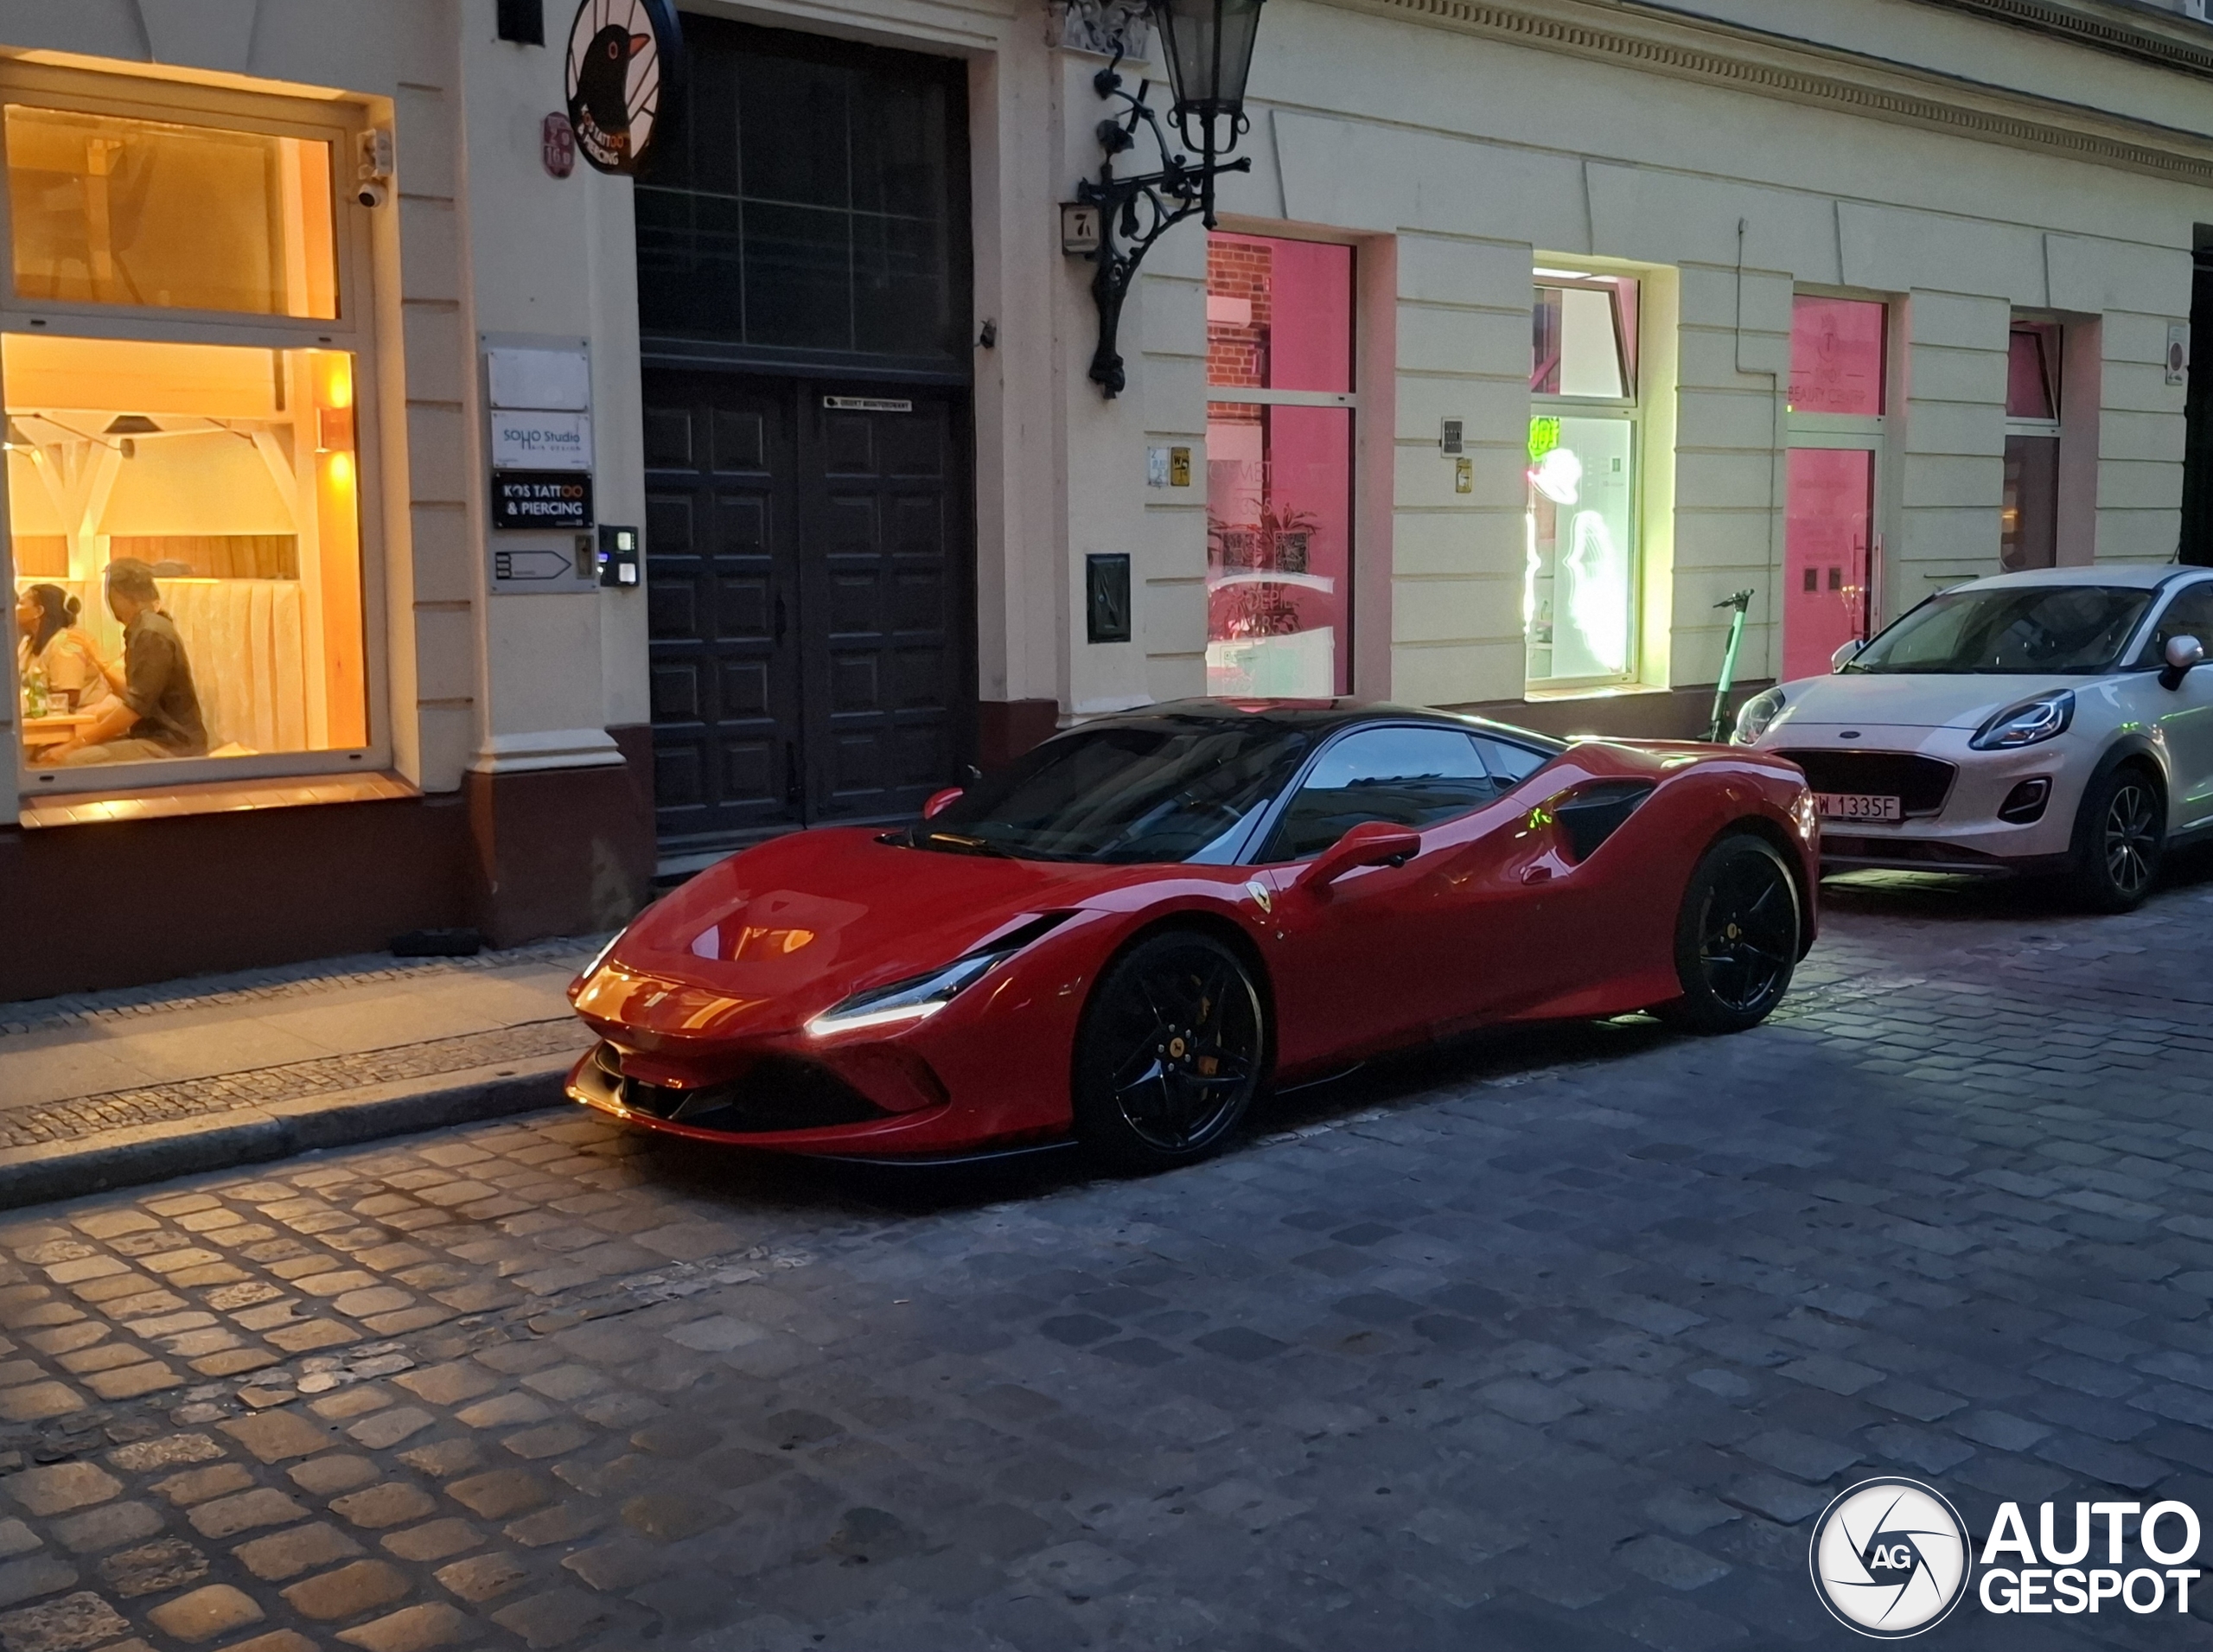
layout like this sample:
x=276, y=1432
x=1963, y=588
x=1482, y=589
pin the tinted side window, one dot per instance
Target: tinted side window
x=1509, y=764
x=2190, y=615
x=1412, y=777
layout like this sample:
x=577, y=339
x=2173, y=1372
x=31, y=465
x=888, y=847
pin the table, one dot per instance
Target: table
x=56, y=727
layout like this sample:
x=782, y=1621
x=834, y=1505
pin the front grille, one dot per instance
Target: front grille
x=774, y=1093
x=1920, y=784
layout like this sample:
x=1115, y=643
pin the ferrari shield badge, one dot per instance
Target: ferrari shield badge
x=1261, y=897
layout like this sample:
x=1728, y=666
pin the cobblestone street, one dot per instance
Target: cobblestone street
x=1557, y=1339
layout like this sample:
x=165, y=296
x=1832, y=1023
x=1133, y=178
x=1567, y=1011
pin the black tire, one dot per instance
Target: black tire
x=1737, y=937
x=2120, y=837
x=1173, y=1050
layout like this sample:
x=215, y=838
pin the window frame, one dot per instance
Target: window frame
x=1628, y=410
x=1866, y=433
x=352, y=331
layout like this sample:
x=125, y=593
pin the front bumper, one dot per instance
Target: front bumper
x=1961, y=832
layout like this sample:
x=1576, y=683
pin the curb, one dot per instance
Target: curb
x=160, y=1153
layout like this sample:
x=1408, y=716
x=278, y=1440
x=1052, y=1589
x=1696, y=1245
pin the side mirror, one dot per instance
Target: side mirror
x=2182, y=653
x=1846, y=653
x=939, y=802
x=1372, y=843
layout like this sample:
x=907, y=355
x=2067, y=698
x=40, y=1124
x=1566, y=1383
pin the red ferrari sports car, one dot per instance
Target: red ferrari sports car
x=1137, y=927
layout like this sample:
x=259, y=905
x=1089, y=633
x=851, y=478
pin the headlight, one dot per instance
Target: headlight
x=598, y=958
x=2028, y=724
x=919, y=996
x=1758, y=713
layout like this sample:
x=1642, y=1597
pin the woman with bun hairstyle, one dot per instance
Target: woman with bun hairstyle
x=49, y=640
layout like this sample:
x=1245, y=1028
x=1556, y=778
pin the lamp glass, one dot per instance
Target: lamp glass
x=1209, y=49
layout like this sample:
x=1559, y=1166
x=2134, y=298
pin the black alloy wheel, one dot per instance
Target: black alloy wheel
x=2123, y=837
x=1736, y=937
x=1173, y=1050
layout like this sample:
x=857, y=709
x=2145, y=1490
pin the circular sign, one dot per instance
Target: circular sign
x=622, y=63
x=1890, y=1558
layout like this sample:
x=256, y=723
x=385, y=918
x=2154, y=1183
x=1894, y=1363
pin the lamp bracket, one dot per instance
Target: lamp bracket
x=1137, y=210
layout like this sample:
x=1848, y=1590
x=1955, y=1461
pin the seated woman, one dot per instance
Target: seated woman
x=49, y=642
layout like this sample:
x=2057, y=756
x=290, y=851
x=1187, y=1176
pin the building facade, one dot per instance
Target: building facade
x=527, y=531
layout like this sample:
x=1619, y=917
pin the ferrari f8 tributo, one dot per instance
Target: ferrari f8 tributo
x=1140, y=926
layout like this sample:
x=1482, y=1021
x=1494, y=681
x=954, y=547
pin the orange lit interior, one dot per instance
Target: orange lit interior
x=232, y=471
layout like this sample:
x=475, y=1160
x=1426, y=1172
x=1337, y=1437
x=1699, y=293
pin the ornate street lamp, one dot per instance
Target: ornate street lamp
x=1114, y=221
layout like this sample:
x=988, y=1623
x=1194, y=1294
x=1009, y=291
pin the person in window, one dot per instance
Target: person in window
x=50, y=648
x=156, y=710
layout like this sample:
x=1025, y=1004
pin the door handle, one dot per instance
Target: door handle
x=779, y=618
x=791, y=773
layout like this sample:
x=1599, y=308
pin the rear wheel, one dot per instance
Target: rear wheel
x=1736, y=937
x=1170, y=1054
x=2121, y=833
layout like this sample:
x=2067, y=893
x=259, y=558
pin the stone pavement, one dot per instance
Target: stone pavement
x=1557, y=1339
x=199, y=1049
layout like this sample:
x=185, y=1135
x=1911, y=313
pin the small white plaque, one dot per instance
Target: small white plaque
x=549, y=380
x=540, y=441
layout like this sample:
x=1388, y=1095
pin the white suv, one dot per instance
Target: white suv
x=2049, y=721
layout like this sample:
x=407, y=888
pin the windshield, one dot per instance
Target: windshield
x=2010, y=629
x=1157, y=791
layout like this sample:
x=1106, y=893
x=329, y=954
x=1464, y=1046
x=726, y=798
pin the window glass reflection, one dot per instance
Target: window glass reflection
x=1578, y=575
x=110, y=211
x=1837, y=356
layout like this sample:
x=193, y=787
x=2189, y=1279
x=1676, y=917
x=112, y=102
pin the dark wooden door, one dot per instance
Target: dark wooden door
x=806, y=573
x=880, y=600
x=721, y=549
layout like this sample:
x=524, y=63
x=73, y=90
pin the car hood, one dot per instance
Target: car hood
x=775, y=934
x=1907, y=699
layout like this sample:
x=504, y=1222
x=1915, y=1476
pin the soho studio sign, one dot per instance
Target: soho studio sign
x=1891, y=1557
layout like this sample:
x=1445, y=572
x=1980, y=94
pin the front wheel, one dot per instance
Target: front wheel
x=2122, y=833
x=1736, y=937
x=1173, y=1050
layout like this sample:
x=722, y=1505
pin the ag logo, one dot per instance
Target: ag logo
x=623, y=60
x=1890, y=1558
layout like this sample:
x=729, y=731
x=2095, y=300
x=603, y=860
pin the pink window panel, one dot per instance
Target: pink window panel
x=1278, y=314
x=1836, y=348
x=2031, y=371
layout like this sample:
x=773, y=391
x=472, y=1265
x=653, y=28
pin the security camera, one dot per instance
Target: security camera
x=374, y=193
x=373, y=168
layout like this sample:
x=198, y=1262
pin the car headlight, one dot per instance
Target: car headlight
x=584, y=975
x=1758, y=713
x=2029, y=723
x=920, y=996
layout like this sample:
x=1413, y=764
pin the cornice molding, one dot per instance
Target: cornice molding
x=1662, y=40
x=2095, y=29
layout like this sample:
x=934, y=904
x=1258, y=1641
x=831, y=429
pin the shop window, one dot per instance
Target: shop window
x=225, y=477
x=184, y=518
x=105, y=210
x=1579, y=579
x=1279, y=453
x=2029, y=518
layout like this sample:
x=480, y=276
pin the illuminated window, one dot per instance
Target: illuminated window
x=1831, y=552
x=1579, y=574
x=184, y=491
x=110, y=211
x=1280, y=434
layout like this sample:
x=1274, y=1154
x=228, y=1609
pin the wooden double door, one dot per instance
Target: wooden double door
x=809, y=564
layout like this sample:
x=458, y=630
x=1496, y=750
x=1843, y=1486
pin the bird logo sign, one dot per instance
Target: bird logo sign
x=621, y=55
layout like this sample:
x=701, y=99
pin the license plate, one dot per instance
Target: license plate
x=1857, y=806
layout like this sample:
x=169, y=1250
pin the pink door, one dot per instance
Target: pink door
x=1826, y=600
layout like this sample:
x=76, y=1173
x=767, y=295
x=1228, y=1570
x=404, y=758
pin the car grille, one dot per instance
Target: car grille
x=1920, y=784
x=775, y=1093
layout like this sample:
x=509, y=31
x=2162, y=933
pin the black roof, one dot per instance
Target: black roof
x=1318, y=716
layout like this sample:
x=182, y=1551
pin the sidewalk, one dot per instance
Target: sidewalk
x=108, y=1089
